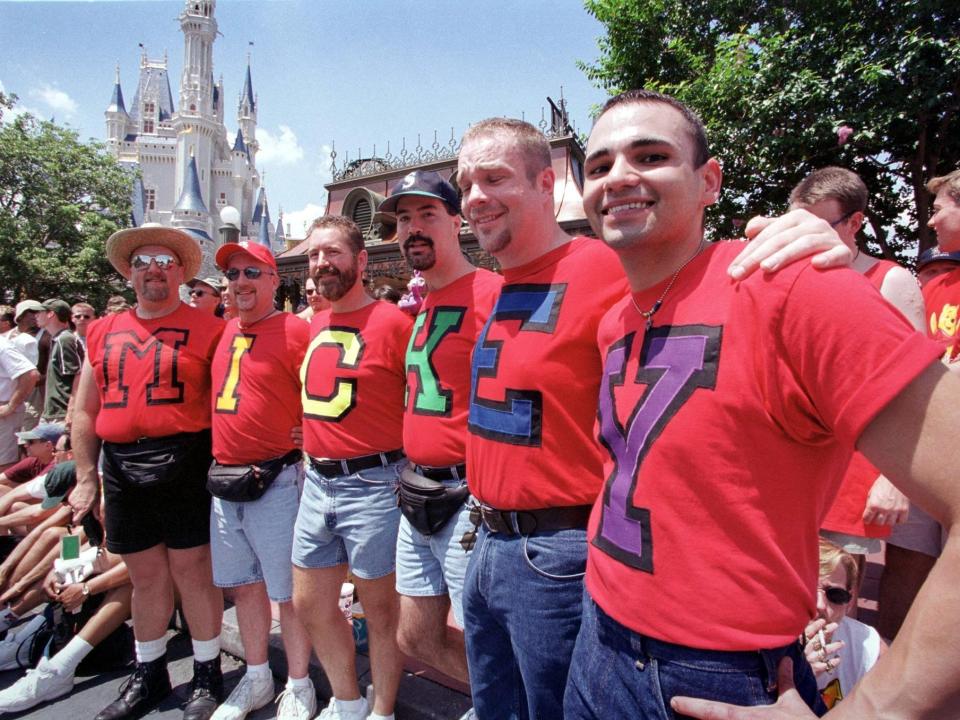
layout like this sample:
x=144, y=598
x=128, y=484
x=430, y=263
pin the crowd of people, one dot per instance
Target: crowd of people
x=640, y=475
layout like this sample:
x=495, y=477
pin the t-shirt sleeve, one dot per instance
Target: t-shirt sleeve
x=68, y=358
x=843, y=354
x=13, y=362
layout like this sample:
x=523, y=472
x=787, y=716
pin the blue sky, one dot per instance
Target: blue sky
x=354, y=73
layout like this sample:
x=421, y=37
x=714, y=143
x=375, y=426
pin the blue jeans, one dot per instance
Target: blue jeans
x=522, y=600
x=617, y=673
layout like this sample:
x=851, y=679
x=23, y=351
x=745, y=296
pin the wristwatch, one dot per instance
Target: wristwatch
x=86, y=590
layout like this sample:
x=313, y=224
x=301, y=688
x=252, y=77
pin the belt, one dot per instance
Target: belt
x=291, y=458
x=526, y=522
x=445, y=472
x=355, y=464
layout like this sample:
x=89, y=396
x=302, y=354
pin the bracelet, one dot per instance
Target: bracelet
x=86, y=590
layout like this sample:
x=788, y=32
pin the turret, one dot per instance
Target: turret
x=199, y=27
x=247, y=115
x=116, y=113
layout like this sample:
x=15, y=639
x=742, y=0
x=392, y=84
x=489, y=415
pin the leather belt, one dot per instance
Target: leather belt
x=445, y=472
x=291, y=458
x=526, y=522
x=356, y=464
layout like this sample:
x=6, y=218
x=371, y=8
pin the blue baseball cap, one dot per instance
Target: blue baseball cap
x=425, y=183
x=935, y=254
x=50, y=432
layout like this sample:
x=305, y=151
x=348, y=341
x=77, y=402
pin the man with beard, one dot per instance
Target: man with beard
x=432, y=554
x=145, y=393
x=353, y=385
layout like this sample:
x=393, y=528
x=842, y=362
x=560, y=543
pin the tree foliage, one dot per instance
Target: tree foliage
x=60, y=199
x=785, y=88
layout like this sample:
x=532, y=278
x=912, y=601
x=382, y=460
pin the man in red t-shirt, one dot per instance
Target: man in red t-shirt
x=431, y=565
x=353, y=383
x=144, y=393
x=726, y=413
x=256, y=404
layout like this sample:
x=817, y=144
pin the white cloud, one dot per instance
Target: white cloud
x=298, y=220
x=57, y=100
x=282, y=149
x=18, y=109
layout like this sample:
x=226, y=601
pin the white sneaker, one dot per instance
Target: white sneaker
x=250, y=694
x=297, y=703
x=42, y=683
x=334, y=711
x=470, y=714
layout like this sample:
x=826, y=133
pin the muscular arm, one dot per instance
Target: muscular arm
x=22, y=386
x=86, y=444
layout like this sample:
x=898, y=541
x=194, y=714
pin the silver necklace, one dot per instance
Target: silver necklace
x=648, y=314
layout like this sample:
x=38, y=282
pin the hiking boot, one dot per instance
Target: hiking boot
x=206, y=690
x=250, y=694
x=142, y=691
x=41, y=684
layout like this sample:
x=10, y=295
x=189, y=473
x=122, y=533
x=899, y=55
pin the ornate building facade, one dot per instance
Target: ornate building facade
x=189, y=167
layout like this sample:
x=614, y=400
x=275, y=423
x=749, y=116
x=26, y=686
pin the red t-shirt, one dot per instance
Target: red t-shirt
x=535, y=376
x=353, y=381
x=153, y=375
x=727, y=439
x=256, y=389
x=438, y=368
x=26, y=469
x=846, y=513
x=941, y=297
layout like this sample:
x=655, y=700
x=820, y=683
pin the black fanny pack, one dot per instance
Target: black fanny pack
x=245, y=483
x=429, y=504
x=153, y=461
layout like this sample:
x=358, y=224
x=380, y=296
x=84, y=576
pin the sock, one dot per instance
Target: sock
x=67, y=660
x=374, y=716
x=206, y=650
x=258, y=672
x=303, y=682
x=150, y=650
x=351, y=705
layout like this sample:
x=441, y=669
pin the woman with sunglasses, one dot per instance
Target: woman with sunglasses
x=840, y=649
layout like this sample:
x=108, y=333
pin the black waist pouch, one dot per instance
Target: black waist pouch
x=245, y=483
x=153, y=461
x=429, y=504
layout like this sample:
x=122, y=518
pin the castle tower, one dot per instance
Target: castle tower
x=116, y=114
x=247, y=115
x=191, y=213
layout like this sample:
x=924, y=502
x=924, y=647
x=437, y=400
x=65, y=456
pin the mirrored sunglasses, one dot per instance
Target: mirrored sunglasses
x=142, y=261
x=250, y=273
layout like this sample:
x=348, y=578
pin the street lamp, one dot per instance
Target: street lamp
x=230, y=230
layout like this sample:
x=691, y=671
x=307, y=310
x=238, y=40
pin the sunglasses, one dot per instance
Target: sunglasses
x=142, y=262
x=80, y=316
x=201, y=293
x=837, y=595
x=311, y=292
x=250, y=273
x=844, y=218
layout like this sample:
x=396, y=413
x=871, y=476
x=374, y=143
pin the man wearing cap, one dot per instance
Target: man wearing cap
x=64, y=362
x=353, y=386
x=256, y=404
x=934, y=262
x=145, y=394
x=432, y=561
x=18, y=377
x=205, y=294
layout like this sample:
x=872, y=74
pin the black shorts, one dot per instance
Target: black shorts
x=175, y=513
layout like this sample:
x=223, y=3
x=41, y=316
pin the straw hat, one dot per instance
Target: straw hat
x=122, y=244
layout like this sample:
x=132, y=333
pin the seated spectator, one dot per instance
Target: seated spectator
x=41, y=451
x=21, y=508
x=840, y=649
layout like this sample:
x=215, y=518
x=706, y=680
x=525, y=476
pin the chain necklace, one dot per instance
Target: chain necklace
x=648, y=314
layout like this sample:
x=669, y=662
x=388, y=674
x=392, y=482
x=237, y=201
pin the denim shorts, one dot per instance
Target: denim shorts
x=431, y=565
x=250, y=542
x=616, y=672
x=349, y=519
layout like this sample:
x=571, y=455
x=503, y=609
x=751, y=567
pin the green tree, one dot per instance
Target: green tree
x=785, y=88
x=60, y=199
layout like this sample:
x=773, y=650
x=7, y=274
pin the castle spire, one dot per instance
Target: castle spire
x=116, y=100
x=191, y=199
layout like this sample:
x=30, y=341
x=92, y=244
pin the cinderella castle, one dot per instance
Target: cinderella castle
x=189, y=167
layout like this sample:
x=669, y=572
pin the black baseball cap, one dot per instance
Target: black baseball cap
x=934, y=254
x=425, y=183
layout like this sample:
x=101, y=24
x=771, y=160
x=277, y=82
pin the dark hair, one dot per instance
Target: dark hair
x=698, y=133
x=345, y=225
x=530, y=141
x=832, y=183
x=6, y=313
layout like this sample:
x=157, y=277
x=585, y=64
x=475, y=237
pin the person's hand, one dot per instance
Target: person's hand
x=789, y=706
x=780, y=241
x=5, y=410
x=70, y=596
x=821, y=653
x=885, y=504
x=82, y=499
x=296, y=436
x=50, y=583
